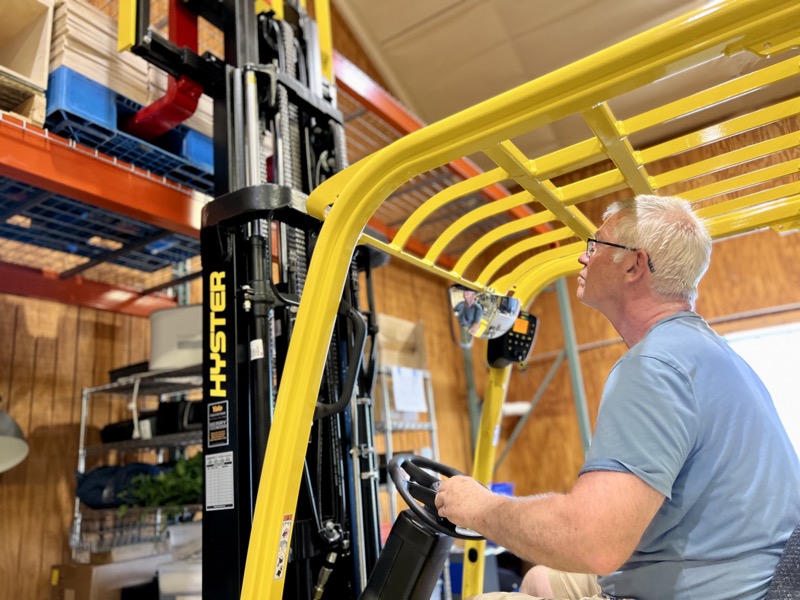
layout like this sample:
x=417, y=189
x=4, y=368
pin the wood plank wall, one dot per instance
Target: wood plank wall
x=48, y=353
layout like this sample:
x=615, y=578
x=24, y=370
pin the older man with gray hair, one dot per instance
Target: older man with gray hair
x=691, y=486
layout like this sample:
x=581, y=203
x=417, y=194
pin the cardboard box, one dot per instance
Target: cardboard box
x=401, y=343
x=24, y=57
x=102, y=582
x=128, y=552
x=24, y=49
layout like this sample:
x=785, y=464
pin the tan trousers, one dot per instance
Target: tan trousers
x=565, y=586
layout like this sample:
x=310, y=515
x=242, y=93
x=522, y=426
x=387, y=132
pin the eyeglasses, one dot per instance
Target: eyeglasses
x=591, y=247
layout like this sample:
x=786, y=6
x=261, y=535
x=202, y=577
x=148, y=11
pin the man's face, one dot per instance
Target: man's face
x=469, y=297
x=599, y=280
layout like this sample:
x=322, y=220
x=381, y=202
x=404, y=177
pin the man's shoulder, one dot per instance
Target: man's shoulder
x=673, y=337
x=664, y=354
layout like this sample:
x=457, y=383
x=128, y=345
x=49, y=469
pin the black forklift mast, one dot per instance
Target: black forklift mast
x=277, y=135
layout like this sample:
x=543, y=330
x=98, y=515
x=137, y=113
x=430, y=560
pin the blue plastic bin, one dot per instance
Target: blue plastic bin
x=86, y=111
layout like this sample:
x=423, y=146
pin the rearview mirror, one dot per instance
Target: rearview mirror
x=481, y=314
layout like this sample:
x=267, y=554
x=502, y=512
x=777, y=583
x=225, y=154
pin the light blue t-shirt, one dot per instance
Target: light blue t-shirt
x=686, y=414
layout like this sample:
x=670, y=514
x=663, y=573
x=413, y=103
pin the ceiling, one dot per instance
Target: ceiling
x=441, y=57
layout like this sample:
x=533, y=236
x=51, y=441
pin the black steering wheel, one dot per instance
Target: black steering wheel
x=421, y=485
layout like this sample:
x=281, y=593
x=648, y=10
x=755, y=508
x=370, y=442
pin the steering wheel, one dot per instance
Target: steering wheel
x=421, y=485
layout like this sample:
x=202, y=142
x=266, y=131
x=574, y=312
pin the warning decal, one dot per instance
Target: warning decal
x=218, y=424
x=283, y=547
x=256, y=349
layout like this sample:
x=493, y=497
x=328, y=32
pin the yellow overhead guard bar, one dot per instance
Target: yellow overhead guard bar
x=348, y=200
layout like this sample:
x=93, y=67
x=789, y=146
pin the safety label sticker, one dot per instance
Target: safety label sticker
x=219, y=481
x=218, y=424
x=283, y=547
x=256, y=349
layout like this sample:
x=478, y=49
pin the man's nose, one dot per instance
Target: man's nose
x=583, y=258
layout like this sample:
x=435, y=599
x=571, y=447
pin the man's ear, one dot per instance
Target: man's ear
x=638, y=265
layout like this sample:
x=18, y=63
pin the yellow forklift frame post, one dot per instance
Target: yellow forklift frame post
x=347, y=201
x=126, y=27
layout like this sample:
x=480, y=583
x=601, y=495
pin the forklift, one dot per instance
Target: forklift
x=278, y=135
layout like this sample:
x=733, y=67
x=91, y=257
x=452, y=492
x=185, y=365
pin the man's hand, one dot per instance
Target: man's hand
x=463, y=501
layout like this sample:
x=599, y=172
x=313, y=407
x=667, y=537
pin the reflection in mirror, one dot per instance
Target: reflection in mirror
x=481, y=314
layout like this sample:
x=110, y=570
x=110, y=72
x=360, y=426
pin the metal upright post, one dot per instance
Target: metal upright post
x=387, y=420
x=571, y=348
x=472, y=396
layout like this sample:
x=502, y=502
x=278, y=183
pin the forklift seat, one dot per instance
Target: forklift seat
x=411, y=562
x=786, y=581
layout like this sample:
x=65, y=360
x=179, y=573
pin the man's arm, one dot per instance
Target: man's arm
x=593, y=529
x=476, y=318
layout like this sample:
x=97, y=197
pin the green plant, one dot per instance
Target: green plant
x=176, y=486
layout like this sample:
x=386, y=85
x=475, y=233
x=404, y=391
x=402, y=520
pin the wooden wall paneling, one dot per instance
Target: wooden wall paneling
x=10, y=481
x=552, y=430
x=140, y=340
x=48, y=353
x=8, y=320
x=85, y=352
x=100, y=406
x=543, y=458
x=7, y=323
x=62, y=448
x=23, y=355
x=529, y=463
x=123, y=347
x=20, y=406
x=749, y=273
x=532, y=464
x=41, y=325
x=404, y=292
x=725, y=326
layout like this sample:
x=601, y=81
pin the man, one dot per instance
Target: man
x=469, y=312
x=691, y=487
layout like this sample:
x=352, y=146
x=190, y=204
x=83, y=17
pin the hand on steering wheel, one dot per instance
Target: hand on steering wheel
x=422, y=486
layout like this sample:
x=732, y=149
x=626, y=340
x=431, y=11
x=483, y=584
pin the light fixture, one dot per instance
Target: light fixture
x=13, y=446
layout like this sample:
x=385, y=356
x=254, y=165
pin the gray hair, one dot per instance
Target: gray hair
x=673, y=236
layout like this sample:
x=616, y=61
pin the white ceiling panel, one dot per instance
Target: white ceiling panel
x=441, y=57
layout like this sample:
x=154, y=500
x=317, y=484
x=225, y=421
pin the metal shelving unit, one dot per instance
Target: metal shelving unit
x=388, y=426
x=103, y=530
x=173, y=440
